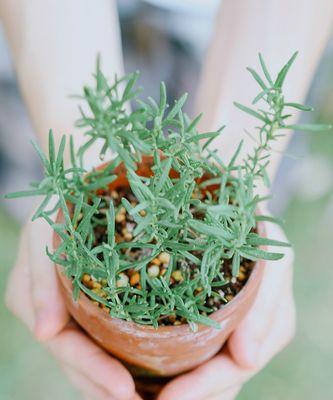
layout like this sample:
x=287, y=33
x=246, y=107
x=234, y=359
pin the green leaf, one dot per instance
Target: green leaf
x=72, y=151
x=298, y=106
x=254, y=239
x=128, y=94
x=202, y=136
x=265, y=70
x=42, y=156
x=111, y=225
x=209, y=230
x=163, y=99
x=165, y=174
x=256, y=254
x=77, y=209
x=60, y=157
x=25, y=193
x=42, y=206
x=51, y=148
x=269, y=218
x=177, y=107
x=100, y=183
x=251, y=112
x=309, y=127
x=235, y=264
x=226, y=210
x=284, y=71
x=192, y=125
x=257, y=78
x=143, y=224
x=139, y=207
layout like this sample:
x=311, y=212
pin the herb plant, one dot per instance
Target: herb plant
x=201, y=219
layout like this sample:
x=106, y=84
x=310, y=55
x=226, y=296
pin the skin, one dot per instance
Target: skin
x=57, y=63
x=264, y=332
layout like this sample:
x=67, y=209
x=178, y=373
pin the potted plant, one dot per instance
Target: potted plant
x=160, y=251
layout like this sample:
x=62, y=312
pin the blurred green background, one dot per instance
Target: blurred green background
x=304, y=198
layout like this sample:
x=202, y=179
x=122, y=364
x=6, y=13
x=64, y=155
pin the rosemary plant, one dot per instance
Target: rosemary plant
x=203, y=218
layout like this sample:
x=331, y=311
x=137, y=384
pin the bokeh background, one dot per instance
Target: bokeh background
x=161, y=43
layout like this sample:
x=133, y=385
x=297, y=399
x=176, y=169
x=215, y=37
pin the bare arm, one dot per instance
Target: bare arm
x=54, y=46
x=276, y=29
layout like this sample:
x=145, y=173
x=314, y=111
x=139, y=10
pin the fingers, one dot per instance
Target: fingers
x=218, y=376
x=18, y=295
x=34, y=296
x=265, y=331
x=74, y=349
x=51, y=315
x=281, y=332
x=89, y=390
x=229, y=394
x=33, y=293
x=246, y=343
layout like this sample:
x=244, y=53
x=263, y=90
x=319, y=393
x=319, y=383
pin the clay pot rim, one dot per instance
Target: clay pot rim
x=171, y=330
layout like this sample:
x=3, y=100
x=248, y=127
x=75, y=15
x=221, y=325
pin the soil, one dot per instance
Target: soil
x=124, y=227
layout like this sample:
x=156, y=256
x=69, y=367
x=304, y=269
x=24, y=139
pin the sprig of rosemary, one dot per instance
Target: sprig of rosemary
x=200, y=234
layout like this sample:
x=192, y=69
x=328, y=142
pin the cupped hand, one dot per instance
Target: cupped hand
x=33, y=295
x=265, y=331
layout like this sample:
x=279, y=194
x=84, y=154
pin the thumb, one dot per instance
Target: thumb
x=50, y=311
x=246, y=343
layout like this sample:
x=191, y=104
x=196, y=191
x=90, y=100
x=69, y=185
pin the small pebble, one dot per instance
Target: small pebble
x=241, y=276
x=120, y=218
x=96, y=285
x=86, y=278
x=128, y=236
x=114, y=194
x=100, y=293
x=164, y=258
x=130, y=227
x=210, y=302
x=122, y=280
x=135, y=279
x=177, y=275
x=153, y=271
x=172, y=318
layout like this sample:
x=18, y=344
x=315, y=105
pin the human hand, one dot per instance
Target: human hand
x=33, y=295
x=264, y=332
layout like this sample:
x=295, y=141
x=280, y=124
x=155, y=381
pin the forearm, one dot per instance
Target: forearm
x=54, y=46
x=276, y=29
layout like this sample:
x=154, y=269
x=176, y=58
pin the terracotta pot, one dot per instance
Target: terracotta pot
x=167, y=350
